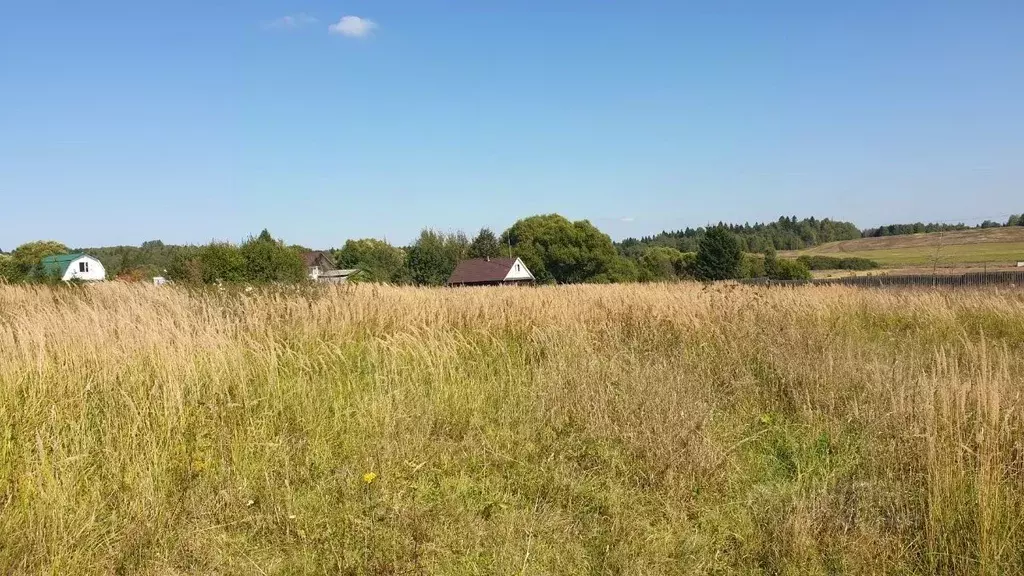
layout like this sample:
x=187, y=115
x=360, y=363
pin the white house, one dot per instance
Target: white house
x=75, y=267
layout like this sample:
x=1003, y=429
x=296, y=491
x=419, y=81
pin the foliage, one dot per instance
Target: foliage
x=486, y=245
x=787, y=233
x=9, y=271
x=557, y=250
x=922, y=228
x=718, y=255
x=152, y=258
x=814, y=262
x=221, y=262
x=269, y=260
x=434, y=255
x=377, y=261
x=751, y=266
x=785, y=269
x=26, y=260
x=1015, y=220
x=659, y=263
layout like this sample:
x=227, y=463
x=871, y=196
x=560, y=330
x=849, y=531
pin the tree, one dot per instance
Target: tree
x=659, y=263
x=8, y=271
x=1015, y=220
x=27, y=258
x=485, y=245
x=555, y=249
x=718, y=255
x=269, y=260
x=377, y=261
x=434, y=255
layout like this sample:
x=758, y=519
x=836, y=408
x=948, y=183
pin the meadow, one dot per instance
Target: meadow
x=993, y=246
x=624, y=429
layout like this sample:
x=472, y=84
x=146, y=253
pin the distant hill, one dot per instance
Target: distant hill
x=1003, y=245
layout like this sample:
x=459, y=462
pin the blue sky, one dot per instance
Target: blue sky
x=187, y=121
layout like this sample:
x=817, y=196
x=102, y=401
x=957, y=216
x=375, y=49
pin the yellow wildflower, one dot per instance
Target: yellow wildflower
x=369, y=477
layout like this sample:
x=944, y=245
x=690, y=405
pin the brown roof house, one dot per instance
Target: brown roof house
x=490, y=272
x=322, y=269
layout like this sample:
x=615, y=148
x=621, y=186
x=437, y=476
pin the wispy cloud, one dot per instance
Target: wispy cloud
x=353, y=27
x=627, y=219
x=291, y=22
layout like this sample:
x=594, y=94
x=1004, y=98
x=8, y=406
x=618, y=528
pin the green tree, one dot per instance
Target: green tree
x=27, y=258
x=8, y=271
x=1015, y=220
x=718, y=255
x=485, y=245
x=269, y=260
x=377, y=261
x=220, y=262
x=555, y=249
x=185, y=266
x=659, y=263
x=434, y=255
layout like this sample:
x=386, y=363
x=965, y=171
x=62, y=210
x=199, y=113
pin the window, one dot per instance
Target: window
x=83, y=266
x=517, y=267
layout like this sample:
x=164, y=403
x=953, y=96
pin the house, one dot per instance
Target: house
x=322, y=269
x=490, y=272
x=74, y=267
x=317, y=262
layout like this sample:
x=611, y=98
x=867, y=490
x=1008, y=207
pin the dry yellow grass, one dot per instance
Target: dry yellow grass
x=660, y=429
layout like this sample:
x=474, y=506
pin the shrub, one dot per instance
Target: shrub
x=836, y=263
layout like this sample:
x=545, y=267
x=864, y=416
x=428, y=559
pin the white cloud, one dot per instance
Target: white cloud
x=291, y=22
x=353, y=27
x=627, y=219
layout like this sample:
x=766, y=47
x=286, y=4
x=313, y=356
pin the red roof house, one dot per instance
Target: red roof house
x=490, y=272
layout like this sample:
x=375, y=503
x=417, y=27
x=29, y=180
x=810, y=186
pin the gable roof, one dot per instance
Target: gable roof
x=481, y=270
x=58, y=263
x=310, y=258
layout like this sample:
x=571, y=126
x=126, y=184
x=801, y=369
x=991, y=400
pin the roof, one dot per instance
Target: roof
x=482, y=270
x=339, y=273
x=58, y=263
x=310, y=258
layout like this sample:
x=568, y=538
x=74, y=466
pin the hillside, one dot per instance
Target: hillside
x=998, y=246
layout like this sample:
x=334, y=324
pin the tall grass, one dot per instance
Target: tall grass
x=659, y=429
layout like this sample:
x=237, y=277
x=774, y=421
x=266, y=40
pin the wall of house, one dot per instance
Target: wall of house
x=521, y=274
x=96, y=270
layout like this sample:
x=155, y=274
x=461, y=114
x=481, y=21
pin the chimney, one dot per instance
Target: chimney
x=488, y=258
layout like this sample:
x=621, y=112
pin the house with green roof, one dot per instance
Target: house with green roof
x=74, y=267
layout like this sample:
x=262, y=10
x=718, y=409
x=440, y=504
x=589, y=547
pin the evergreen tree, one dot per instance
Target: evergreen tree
x=719, y=255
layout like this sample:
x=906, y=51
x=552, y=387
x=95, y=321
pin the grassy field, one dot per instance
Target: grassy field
x=655, y=429
x=997, y=246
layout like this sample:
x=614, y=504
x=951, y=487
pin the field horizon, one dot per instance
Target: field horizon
x=617, y=429
x=1002, y=246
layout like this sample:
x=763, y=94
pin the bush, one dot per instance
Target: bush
x=836, y=263
x=752, y=266
x=789, y=270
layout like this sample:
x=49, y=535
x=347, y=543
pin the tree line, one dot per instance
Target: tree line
x=554, y=248
x=922, y=228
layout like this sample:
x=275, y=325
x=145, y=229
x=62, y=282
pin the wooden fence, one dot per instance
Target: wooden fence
x=1008, y=278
